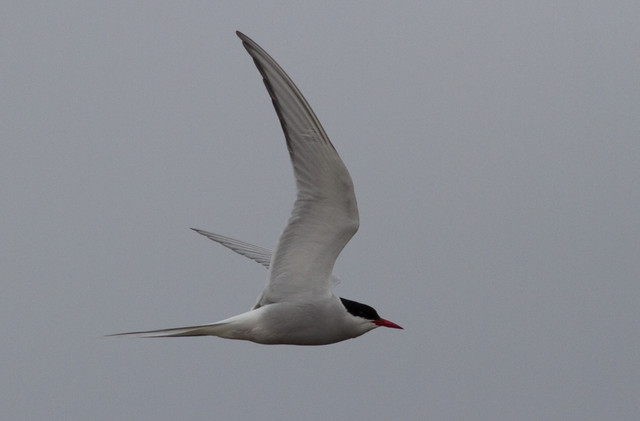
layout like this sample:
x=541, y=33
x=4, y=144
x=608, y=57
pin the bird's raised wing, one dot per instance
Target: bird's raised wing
x=325, y=213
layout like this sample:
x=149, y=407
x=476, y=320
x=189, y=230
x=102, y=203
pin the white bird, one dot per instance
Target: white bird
x=298, y=306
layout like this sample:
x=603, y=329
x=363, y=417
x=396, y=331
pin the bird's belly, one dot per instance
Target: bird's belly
x=298, y=324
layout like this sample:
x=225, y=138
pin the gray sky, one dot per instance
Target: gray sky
x=495, y=150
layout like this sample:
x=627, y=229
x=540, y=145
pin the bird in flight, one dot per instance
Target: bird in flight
x=298, y=306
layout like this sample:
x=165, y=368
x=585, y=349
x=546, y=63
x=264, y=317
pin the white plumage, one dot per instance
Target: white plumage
x=298, y=306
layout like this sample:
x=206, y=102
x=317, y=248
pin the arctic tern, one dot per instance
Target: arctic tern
x=297, y=306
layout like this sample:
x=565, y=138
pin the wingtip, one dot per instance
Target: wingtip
x=199, y=231
x=241, y=36
x=247, y=42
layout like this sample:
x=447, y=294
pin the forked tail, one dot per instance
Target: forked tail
x=215, y=329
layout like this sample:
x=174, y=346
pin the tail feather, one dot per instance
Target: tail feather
x=201, y=330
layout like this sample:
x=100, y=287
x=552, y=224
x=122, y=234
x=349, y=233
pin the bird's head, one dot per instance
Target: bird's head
x=367, y=313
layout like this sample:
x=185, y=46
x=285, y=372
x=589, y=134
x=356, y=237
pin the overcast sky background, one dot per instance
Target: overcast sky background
x=495, y=151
